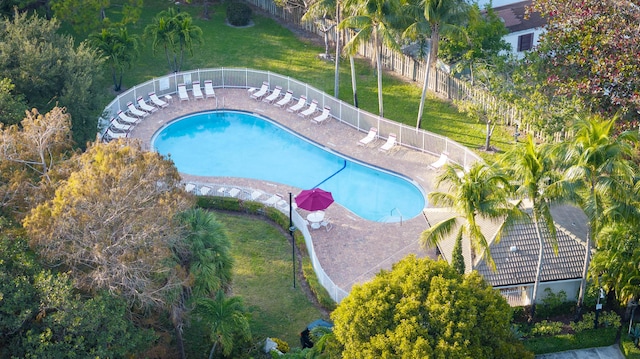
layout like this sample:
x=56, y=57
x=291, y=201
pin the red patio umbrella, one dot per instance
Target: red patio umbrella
x=314, y=199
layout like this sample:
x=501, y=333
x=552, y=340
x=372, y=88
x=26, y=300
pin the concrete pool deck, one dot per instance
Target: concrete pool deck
x=354, y=250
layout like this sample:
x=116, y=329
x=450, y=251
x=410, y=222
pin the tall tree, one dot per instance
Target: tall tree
x=424, y=309
x=597, y=162
x=112, y=224
x=480, y=192
x=119, y=48
x=31, y=155
x=372, y=20
x=175, y=32
x=42, y=315
x=48, y=69
x=205, y=254
x=482, y=40
x=433, y=18
x=12, y=104
x=615, y=265
x=227, y=320
x=532, y=169
x=590, y=51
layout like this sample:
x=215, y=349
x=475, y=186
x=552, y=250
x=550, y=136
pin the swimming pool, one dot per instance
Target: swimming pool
x=240, y=144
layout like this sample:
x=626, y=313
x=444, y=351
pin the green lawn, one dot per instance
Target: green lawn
x=268, y=46
x=263, y=277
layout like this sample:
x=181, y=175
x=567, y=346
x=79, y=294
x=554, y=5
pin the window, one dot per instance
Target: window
x=525, y=42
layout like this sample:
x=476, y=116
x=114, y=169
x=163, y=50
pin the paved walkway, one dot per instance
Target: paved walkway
x=610, y=352
x=355, y=249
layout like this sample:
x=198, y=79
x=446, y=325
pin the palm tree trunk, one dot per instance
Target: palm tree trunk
x=587, y=255
x=166, y=52
x=424, y=93
x=353, y=81
x=539, y=269
x=379, y=65
x=213, y=350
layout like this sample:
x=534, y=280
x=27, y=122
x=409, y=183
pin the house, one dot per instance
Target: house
x=524, y=34
x=516, y=255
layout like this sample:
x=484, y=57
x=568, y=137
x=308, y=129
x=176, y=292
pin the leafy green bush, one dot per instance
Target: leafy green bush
x=606, y=319
x=238, y=14
x=587, y=339
x=545, y=328
x=554, y=304
x=634, y=334
x=283, y=346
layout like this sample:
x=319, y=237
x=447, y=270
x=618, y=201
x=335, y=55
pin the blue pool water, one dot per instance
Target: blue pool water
x=239, y=144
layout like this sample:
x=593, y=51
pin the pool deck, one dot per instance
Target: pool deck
x=354, y=250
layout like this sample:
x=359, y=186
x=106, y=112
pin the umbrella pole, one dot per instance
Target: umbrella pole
x=293, y=240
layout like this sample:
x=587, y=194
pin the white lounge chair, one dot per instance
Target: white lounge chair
x=310, y=110
x=208, y=89
x=299, y=105
x=190, y=187
x=258, y=95
x=110, y=135
x=135, y=111
x=157, y=101
x=127, y=119
x=326, y=223
x=326, y=112
x=120, y=127
x=234, y=192
x=444, y=158
x=273, y=200
x=390, y=144
x=204, y=190
x=285, y=100
x=196, y=90
x=370, y=138
x=182, y=92
x=145, y=106
x=273, y=96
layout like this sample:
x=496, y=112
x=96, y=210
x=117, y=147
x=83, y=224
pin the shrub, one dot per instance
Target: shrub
x=238, y=14
x=554, y=304
x=609, y=319
x=545, y=328
x=585, y=324
x=283, y=346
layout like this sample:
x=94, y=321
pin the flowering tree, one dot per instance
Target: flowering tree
x=590, y=50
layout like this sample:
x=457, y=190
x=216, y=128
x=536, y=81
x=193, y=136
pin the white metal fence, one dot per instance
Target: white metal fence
x=407, y=136
x=343, y=112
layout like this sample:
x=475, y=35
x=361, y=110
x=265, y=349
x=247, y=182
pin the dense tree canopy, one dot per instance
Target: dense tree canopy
x=113, y=223
x=31, y=159
x=425, y=309
x=590, y=50
x=42, y=316
x=48, y=69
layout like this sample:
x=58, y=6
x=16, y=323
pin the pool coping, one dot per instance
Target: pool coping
x=355, y=249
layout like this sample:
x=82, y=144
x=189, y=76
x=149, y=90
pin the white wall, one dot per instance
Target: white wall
x=512, y=39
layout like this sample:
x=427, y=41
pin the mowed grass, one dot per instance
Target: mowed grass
x=266, y=45
x=263, y=277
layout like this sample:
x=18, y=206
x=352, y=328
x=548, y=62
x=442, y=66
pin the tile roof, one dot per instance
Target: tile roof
x=516, y=257
x=517, y=267
x=513, y=16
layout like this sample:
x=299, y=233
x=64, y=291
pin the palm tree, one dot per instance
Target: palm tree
x=187, y=34
x=176, y=33
x=227, y=319
x=372, y=19
x=532, y=169
x=161, y=33
x=119, y=48
x=482, y=191
x=433, y=18
x=597, y=162
x=208, y=258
